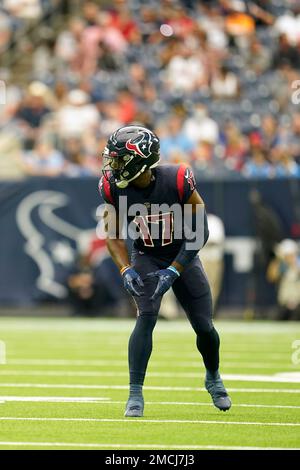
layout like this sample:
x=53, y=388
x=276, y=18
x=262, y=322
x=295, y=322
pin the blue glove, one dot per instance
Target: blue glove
x=130, y=279
x=166, y=277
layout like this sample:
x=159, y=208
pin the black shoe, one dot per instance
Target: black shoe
x=135, y=407
x=216, y=389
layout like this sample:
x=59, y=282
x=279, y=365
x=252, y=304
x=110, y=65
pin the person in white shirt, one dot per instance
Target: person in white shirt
x=200, y=127
x=78, y=116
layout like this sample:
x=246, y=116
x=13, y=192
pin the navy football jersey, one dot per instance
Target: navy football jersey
x=171, y=184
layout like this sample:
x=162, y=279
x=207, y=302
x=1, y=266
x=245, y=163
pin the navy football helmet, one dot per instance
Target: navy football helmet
x=129, y=152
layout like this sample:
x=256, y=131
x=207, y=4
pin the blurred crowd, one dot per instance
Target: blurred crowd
x=15, y=15
x=219, y=82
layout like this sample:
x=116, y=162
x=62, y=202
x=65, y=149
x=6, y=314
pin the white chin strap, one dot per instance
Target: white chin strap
x=124, y=183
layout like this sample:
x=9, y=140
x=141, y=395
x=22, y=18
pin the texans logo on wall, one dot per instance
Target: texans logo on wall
x=52, y=242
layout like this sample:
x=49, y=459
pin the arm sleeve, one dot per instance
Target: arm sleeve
x=189, y=249
x=186, y=183
x=105, y=191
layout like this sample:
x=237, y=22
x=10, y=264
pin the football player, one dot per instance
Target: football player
x=157, y=263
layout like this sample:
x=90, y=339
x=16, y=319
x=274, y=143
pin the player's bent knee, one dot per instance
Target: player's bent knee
x=147, y=321
x=203, y=325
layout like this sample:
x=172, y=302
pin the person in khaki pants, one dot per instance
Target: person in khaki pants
x=284, y=270
x=212, y=255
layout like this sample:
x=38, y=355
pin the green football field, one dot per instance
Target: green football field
x=64, y=386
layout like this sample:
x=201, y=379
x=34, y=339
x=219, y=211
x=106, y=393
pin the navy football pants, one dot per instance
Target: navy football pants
x=193, y=292
x=191, y=289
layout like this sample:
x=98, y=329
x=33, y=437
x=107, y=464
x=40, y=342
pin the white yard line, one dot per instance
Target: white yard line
x=123, y=363
x=290, y=377
x=142, y=420
x=179, y=403
x=155, y=388
x=136, y=446
x=67, y=373
x=263, y=378
x=169, y=353
x=66, y=362
x=107, y=401
x=11, y=398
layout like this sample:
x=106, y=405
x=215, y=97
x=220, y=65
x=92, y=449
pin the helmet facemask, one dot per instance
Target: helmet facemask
x=115, y=165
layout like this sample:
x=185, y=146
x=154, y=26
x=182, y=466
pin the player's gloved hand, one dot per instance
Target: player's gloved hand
x=131, y=280
x=165, y=277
